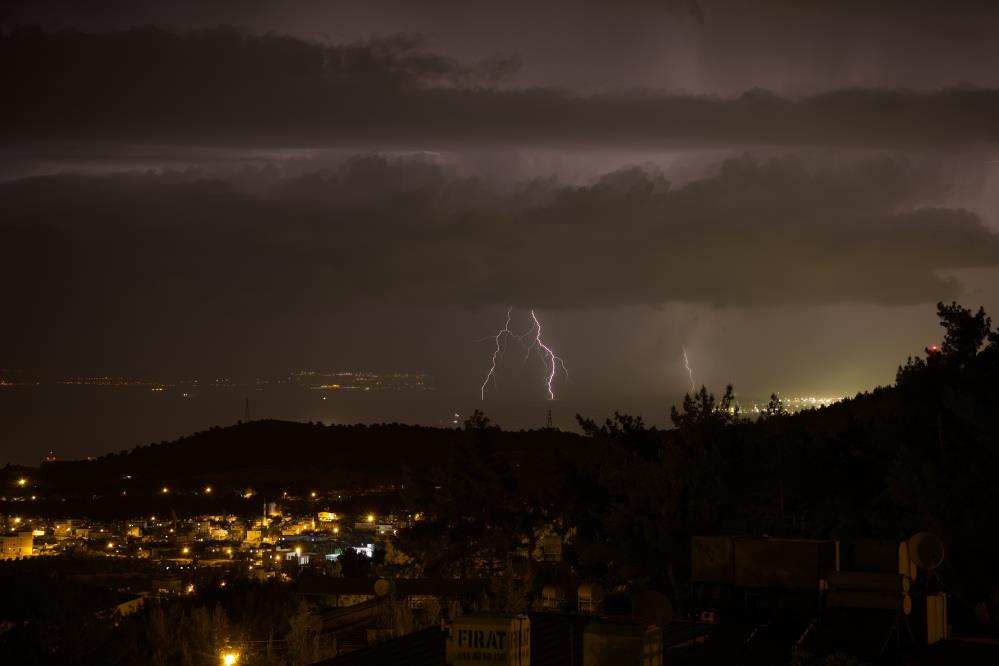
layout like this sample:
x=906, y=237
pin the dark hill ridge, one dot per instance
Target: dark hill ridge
x=269, y=454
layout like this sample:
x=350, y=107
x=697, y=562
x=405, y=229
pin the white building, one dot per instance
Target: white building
x=18, y=544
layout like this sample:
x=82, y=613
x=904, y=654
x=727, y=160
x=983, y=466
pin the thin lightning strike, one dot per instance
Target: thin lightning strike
x=496, y=354
x=553, y=359
x=690, y=373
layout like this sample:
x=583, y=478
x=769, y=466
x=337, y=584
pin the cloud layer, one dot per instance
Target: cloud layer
x=166, y=248
x=221, y=87
x=703, y=46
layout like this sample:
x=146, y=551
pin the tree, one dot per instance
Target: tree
x=965, y=335
x=305, y=640
x=775, y=407
x=700, y=409
x=473, y=512
x=478, y=421
x=965, y=332
x=354, y=564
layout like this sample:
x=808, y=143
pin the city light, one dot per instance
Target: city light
x=313, y=493
x=185, y=550
x=370, y=518
x=208, y=490
x=22, y=482
x=230, y=658
x=165, y=490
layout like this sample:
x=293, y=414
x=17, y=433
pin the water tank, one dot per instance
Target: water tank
x=936, y=618
x=552, y=597
x=590, y=597
x=551, y=548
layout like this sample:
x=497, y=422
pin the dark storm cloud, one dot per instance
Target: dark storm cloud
x=707, y=47
x=154, y=254
x=220, y=87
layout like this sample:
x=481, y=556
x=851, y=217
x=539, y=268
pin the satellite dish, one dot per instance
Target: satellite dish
x=590, y=597
x=926, y=550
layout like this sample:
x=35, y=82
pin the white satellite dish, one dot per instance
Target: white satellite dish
x=926, y=550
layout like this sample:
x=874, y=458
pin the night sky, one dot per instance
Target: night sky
x=242, y=189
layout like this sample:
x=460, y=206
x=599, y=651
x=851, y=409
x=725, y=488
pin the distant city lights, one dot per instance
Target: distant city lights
x=796, y=404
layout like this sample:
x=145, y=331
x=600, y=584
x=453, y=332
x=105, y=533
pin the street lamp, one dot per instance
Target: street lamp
x=230, y=658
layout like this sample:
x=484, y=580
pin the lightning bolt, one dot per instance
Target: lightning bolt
x=690, y=373
x=552, y=361
x=497, y=353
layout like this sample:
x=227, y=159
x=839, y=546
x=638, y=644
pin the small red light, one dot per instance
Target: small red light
x=934, y=348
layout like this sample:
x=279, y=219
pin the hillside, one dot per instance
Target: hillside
x=280, y=455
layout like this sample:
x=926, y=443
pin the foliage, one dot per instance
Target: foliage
x=701, y=409
x=472, y=513
x=186, y=630
x=305, y=642
x=354, y=564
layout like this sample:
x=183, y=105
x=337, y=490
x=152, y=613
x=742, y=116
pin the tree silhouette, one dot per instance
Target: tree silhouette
x=701, y=409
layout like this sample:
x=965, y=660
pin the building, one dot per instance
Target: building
x=19, y=544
